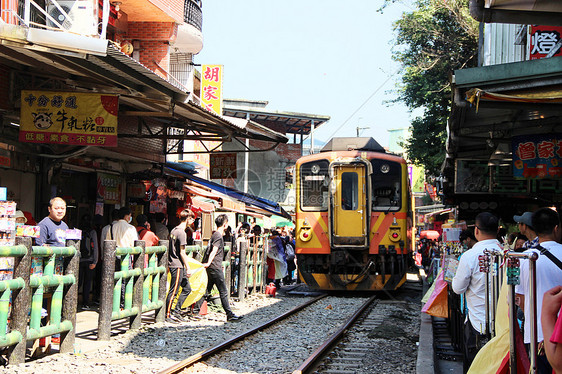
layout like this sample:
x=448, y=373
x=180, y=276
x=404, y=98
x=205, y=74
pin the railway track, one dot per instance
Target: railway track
x=345, y=351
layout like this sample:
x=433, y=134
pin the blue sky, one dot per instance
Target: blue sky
x=322, y=57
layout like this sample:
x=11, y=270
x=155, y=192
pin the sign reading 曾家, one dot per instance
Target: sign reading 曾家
x=70, y=118
x=537, y=156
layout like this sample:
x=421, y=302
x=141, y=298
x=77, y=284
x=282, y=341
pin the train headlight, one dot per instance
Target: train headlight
x=385, y=168
x=315, y=169
x=305, y=235
x=394, y=235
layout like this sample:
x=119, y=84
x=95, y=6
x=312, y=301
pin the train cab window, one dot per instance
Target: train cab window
x=349, y=191
x=315, y=180
x=386, y=185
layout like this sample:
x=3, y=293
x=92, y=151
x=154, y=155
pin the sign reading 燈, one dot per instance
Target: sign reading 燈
x=211, y=88
x=537, y=156
x=546, y=41
x=223, y=165
x=71, y=118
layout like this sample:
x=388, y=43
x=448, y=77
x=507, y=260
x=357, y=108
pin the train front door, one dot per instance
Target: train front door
x=349, y=205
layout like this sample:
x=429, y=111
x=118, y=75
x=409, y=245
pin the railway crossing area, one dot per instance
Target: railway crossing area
x=299, y=342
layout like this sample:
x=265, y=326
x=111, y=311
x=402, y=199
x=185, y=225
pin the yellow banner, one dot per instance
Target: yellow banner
x=71, y=118
x=211, y=88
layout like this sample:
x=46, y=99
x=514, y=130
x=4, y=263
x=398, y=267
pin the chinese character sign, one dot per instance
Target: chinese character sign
x=211, y=88
x=537, y=156
x=223, y=165
x=71, y=118
x=546, y=41
x=109, y=188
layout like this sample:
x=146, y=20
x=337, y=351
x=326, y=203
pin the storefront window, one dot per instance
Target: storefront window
x=386, y=185
x=315, y=181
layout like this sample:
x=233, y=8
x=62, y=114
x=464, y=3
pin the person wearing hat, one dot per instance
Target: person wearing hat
x=526, y=228
x=20, y=218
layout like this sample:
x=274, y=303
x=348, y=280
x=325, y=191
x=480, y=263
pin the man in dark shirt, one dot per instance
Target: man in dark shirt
x=53, y=228
x=179, y=268
x=214, y=266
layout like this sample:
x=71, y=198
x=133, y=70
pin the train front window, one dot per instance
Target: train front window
x=386, y=185
x=315, y=180
x=349, y=191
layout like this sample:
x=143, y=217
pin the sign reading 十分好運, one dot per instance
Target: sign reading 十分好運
x=71, y=118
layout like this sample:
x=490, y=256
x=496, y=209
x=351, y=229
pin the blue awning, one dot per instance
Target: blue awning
x=251, y=200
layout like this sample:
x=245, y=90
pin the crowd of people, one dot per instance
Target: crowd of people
x=539, y=232
x=152, y=229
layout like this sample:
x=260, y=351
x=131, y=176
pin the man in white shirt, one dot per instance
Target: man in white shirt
x=548, y=275
x=122, y=231
x=472, y=282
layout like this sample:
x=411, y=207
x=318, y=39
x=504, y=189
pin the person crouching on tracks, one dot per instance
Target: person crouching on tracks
x=179, y=268
x=472, y=282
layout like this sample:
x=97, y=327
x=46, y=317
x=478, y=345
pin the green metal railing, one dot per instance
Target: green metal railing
x=64, y=288
x=145, y=287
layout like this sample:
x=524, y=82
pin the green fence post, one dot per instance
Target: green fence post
x=136, y=320
x=162, y=262
x=70, y=299
x=107, y=286
x=21, y=303
x=242, y=270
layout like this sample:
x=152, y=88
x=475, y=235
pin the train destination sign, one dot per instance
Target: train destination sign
x=70, y=118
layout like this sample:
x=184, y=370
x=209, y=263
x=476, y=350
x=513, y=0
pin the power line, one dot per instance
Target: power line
x=363, y=104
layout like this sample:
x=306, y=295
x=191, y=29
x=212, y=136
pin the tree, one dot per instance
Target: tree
x=436, y=38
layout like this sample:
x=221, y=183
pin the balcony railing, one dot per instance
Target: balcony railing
x=192, y=14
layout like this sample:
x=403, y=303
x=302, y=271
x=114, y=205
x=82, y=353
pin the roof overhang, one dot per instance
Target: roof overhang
x=294, y=123
x=492, y=104
x=142, y=93
x=539, y=12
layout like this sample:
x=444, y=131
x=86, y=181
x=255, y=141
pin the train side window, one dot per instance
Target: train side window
x=314, y=185
x=349, y=191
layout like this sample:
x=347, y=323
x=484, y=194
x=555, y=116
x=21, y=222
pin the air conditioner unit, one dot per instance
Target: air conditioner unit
x=82, y=13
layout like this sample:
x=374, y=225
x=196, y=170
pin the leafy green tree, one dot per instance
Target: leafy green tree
x=436, y=38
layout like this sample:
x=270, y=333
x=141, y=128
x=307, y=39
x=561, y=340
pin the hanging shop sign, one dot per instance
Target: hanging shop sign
x=472, y=176
x=223, y=165
x=211, y=88
x=70, y=118
x=109, y=188
x=546, y=41
x=136, y=190
x=537, y=156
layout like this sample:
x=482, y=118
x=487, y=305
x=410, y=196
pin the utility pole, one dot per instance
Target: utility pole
x=361, y=128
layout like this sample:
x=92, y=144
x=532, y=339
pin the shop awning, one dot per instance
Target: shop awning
x=540, y=12
x=255, y=203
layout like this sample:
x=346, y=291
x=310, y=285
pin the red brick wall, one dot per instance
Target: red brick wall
x=154, y=38
x=4, y=87
x=172, y=7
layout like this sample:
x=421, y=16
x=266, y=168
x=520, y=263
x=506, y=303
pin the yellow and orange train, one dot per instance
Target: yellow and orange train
x=353, y=217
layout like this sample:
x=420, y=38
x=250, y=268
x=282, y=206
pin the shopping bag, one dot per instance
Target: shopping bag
x=438, y=305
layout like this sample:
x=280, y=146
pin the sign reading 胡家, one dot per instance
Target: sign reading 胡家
x=223, y=165
x=537, y=156
x=546, y=41
x=71, y=118
x=211, y=88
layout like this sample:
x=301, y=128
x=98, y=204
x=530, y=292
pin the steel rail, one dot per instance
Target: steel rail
x=220, y=347
x=315, y=357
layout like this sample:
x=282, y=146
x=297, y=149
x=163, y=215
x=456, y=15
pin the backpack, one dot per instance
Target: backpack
x=86, y=245
x=290, y=251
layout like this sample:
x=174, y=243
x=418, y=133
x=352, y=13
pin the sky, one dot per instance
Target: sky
x=321, y=57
